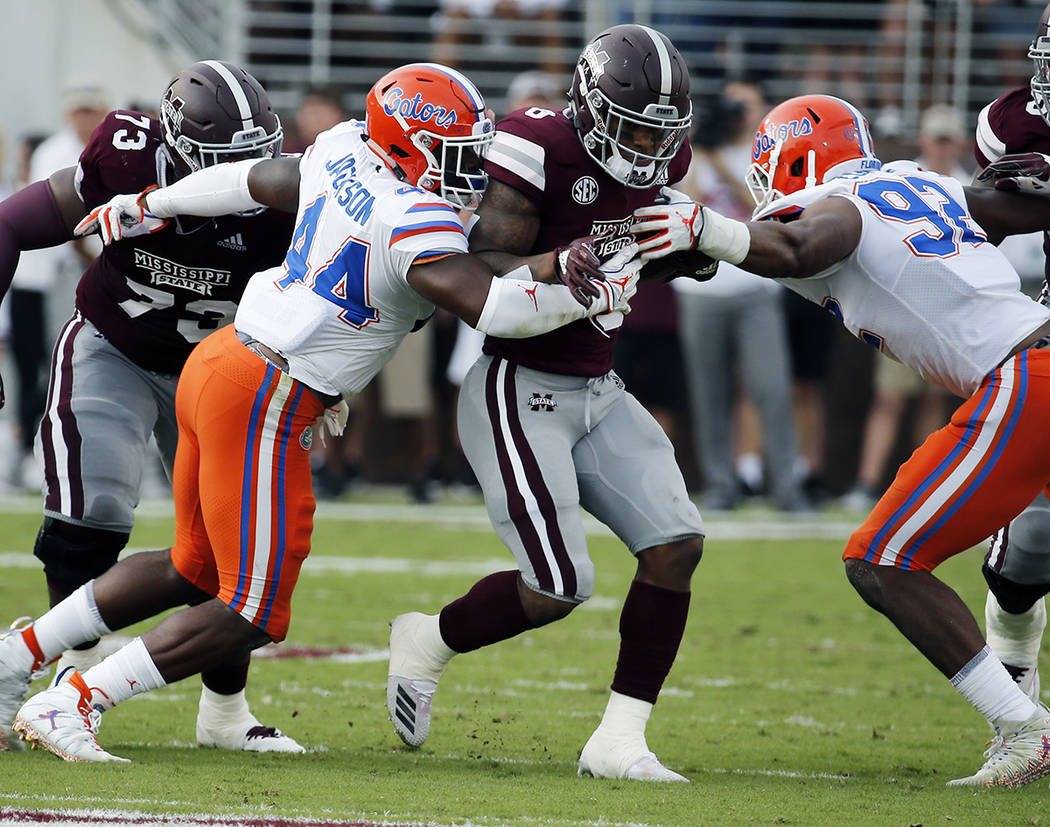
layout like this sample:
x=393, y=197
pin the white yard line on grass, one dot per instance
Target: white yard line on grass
x=751, y=525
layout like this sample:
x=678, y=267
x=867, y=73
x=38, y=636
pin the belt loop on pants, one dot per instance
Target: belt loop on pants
x=272, y=357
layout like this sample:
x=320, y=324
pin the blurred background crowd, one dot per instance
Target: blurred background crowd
x=763, y=395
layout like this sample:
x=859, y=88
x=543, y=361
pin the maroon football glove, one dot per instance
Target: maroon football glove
x=575, y=265
x=1027, y=172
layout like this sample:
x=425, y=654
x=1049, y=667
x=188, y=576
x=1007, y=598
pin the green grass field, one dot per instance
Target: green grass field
x=790, y=703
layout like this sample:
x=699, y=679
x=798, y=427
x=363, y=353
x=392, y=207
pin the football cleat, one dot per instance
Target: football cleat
x=225, y=722
x=14, y=683
x=64, y=721
x=248, y=736
x=413, y=674
x=611, y=756
x=1019, y=754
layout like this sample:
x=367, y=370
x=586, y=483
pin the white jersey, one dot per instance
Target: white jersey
x=924, y=285
x=340, y=305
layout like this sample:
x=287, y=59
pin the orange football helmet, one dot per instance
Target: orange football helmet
x=806, y=141
x=429, y=123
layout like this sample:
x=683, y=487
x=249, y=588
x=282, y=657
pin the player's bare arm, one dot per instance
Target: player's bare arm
x=70, y=206
x=1007, y=213
x=506, y=230
x=275, y=183
x=823, y=235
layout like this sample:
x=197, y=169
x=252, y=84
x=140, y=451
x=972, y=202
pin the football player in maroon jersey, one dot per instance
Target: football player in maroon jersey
x=546, y=424
x=141, y=306
x=1017, y=565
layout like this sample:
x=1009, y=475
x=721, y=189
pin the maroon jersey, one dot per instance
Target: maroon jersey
x=1007, y=126
x=155, y=296
x=538, y=153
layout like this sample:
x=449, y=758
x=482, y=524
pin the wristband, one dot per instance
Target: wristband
x=724, y=238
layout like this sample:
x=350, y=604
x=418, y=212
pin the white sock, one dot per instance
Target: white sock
x=1014, y=638
x=986, y=684
x=73, y=621
x=217, y=709
x=128, y=671
x=625, y=715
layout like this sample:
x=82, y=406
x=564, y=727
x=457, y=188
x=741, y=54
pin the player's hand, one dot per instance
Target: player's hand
x=1027, y=172
x=619, y=284
x=577, y=266
x=123, y=216
x=668, y=227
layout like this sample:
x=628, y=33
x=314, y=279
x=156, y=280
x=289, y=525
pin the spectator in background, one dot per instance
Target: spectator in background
x=943, y=143
x=490, y=27
x=320, y=108
x=536, y=88
x=45, y=280
x=734, y=326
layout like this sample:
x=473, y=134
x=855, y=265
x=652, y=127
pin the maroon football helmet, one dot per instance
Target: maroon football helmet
x=213, y=112
x=1039, y=51
x=630, y=103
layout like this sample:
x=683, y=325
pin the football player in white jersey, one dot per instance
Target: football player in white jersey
x=901, y=256
x=377, y=245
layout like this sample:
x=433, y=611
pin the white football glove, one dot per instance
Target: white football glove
x=621, y=282
x=668, y=227
x=123, y=216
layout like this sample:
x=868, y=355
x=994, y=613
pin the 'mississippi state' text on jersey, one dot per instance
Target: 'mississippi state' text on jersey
x=155, y=296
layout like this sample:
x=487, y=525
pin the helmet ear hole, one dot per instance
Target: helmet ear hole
x=795, y=170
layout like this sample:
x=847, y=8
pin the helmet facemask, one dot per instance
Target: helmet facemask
x=1039, y=51
x=613, y=141
x=455, y=164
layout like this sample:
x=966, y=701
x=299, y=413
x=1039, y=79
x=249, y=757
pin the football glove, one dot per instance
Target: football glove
x=1027, y=172
x=670, y=226
x=620, y=282
x=576, y=265
x=123, y=216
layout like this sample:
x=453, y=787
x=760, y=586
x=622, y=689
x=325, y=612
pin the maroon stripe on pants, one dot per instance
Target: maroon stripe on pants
x=537, y=485
x=62, y=360
x=515, y=501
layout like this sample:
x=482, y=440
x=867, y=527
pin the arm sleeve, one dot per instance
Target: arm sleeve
x=29, y=220
x=217, y=190
x=517, y=309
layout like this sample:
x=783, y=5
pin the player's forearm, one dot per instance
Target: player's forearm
x=517, y=308
x=540, y=266
x=217, y=190
x=29, y=220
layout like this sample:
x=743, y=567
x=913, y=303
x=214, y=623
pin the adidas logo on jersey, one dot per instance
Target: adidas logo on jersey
x=234, y=242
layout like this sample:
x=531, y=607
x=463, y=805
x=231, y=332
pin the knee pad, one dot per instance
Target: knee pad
x=1015, y=598
x=73, y=554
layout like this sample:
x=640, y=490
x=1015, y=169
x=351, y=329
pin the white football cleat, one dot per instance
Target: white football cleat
x=1018, y=755
x=1015, y=640
x=418, y=656
x=14, y=684
x=627, y=756
x=225, y=722
x=64, y=721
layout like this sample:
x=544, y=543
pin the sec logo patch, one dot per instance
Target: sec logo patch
x=585, y=190
x=306, y=438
